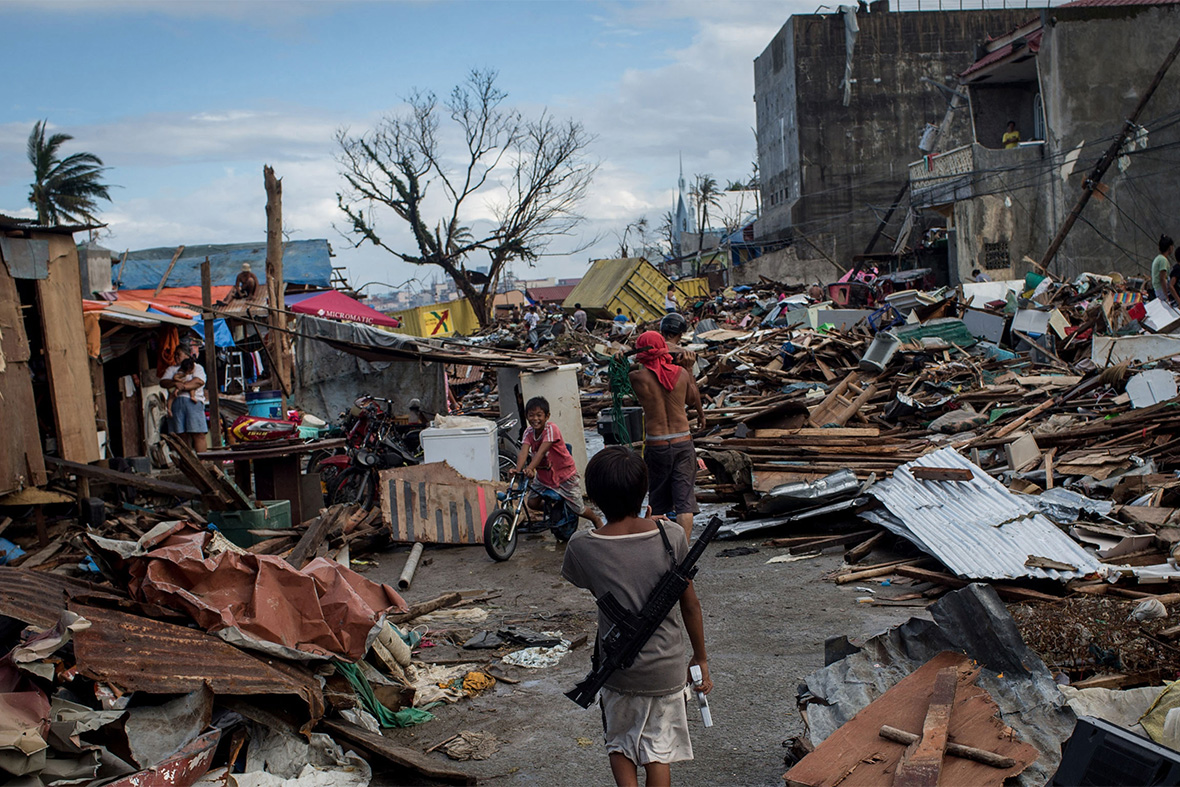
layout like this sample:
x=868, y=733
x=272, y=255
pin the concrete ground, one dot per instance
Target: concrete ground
x=765, y=628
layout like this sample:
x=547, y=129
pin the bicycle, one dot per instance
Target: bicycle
x=513, y=517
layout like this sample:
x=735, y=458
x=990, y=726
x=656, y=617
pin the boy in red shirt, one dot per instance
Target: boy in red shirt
x=550, y=465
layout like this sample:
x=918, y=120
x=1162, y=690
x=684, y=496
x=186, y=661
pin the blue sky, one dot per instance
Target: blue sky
x=186, y=101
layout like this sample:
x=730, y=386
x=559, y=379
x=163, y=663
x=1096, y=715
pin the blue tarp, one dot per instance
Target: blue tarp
x=304, y=262
x=221, y=333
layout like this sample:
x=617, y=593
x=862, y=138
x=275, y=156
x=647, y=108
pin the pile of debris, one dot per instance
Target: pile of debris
x=194, y=654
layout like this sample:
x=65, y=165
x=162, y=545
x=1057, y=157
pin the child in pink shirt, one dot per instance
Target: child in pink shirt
x=545, y=458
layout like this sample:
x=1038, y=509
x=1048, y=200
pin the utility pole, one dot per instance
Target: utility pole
x=1090, y=184
x=274, y=280
x=211, y=376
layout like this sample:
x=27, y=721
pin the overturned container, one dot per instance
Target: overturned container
x=880, y=352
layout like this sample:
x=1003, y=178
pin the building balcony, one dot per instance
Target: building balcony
x=958, y=174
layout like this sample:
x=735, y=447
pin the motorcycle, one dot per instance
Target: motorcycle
x=513, y=517
x=384, y=445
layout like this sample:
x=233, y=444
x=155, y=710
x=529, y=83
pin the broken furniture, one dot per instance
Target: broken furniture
x=276, y=472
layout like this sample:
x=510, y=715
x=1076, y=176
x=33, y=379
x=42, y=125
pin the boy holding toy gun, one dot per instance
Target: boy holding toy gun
x=643, y=707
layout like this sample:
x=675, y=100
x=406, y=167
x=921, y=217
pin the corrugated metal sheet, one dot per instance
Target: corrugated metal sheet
x=141, y=654
x=39, y=597
x=977, y=528
x=555, y=294
x=632, y=284
x=304, y=262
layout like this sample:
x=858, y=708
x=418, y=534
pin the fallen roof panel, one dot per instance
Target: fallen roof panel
x=39, y=597
x=140, y=654
x=978, y=529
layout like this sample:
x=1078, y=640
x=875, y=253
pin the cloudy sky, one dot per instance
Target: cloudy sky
x=185, y=101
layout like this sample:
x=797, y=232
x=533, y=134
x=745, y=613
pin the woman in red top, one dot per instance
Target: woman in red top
x=545, y=458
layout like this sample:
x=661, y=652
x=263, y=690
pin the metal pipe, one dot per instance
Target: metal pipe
x=407, y=576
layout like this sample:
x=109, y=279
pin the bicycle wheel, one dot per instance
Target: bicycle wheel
x=496, y=538
x=355, y=485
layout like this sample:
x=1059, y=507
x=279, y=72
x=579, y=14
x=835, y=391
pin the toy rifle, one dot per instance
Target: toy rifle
x=630, y=631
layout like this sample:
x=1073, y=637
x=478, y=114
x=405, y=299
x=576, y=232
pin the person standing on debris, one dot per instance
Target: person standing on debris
x=644, y=718
x=246, y=284
x=579, y=317
x=670, y=304
x=1011, y=138
x=1159, y=267
x=188, y=416
x=664, y=390
x=531, y=318
x=620, y=320
x=545, y=458
x=672, y=328
x=979, y=276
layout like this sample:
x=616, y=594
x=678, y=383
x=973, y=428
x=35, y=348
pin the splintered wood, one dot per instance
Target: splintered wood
x=856, y=755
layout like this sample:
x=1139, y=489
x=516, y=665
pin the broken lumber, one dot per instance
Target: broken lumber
x=954, y=749
x=315, y=535
x=383, y=747
x=144, y=482
x=880, y=570
x=426, y=607
x=1008, y=592
x=921, y=764
x=942, y=473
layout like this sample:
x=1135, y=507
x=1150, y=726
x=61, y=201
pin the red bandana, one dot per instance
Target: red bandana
x=653, y=354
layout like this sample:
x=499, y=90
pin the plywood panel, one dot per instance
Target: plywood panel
x=21, y=463
x=60, y=299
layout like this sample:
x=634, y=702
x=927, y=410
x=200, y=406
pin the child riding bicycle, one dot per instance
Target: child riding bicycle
x=545, y=459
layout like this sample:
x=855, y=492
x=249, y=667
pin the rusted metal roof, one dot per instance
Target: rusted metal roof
x=38, y=597
x=141, y=654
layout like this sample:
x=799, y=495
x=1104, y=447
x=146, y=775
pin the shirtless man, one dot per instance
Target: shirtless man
x=664, y=391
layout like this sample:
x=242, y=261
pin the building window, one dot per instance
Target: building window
x=995, y=256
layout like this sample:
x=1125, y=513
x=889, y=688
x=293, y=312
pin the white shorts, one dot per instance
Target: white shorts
x=646, y=729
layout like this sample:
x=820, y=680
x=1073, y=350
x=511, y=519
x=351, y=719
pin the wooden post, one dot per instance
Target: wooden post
x=211, y=387
x=274, y=279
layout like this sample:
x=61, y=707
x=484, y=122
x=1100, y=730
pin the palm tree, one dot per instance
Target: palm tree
x=63, y=188
x=705, y=193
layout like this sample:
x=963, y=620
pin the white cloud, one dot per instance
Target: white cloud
x=196, y=177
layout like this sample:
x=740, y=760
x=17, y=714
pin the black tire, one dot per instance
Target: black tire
x=507, y=466
x=495, y=535
x=329, y=474
x=355, y=485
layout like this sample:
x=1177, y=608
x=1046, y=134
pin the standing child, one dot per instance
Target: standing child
x=645, y=721
x=545, y=458
x=184, y=373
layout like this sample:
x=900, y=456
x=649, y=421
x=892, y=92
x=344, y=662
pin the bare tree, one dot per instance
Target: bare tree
x=666, y=233
x=533, y=174
x=638, y=229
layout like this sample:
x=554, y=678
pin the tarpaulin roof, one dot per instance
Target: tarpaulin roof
x=304, y=262
x=335, y=305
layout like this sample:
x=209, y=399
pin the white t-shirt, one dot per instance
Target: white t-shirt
x=198, y=374
x=531, y=319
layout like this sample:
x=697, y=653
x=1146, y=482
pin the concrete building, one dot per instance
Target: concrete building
x=841, y=107
x=1068, y=77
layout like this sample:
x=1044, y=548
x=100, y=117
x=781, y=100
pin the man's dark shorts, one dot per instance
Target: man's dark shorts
x=672, y=476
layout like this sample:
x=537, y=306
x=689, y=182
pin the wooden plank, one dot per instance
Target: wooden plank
x=60, y=299
x=21, y=462
x=953, y=749
x=145, y=482
x=315, y=535
x=811, y=431
x=942, y=473
x=1008, y=592
x=383, y=747
x=856, y=756
x=921, y=765
x=167, y=273
x=831, y=541
x=211, y=480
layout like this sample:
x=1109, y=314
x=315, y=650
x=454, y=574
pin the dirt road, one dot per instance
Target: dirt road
x=765, y=626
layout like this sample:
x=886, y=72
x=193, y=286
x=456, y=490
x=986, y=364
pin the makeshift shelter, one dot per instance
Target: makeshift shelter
x=335, y=305
x=45, y=374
